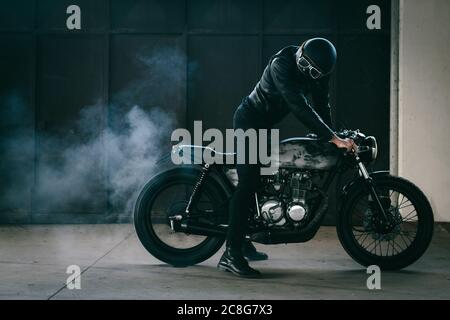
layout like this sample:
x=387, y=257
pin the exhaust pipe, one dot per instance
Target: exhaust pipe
x=201, y=229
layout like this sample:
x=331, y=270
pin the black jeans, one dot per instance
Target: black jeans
x=245, y=117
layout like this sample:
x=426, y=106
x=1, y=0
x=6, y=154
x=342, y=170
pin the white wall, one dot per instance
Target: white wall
x=424, y=99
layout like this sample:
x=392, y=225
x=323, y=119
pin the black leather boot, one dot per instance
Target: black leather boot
x=250, y=252
x=233, y=261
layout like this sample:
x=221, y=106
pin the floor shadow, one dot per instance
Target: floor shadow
x=268, y=273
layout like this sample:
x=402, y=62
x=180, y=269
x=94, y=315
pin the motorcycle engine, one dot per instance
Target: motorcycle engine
x=285, y=200
x=273, y=212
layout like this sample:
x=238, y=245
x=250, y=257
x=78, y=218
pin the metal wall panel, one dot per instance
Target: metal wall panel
x=217, y=81
x=70, y=78
x=17, y=15
x=363, y=86
x=16, y=127
x=293, y=16
x=148, y=16
x=233, y=16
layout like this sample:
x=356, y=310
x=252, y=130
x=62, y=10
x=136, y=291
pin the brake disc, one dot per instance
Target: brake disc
x=370, y=223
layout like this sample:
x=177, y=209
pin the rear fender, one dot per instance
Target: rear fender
x=217, y=176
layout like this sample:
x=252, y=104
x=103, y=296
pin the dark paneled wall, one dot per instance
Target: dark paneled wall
x=211, y=54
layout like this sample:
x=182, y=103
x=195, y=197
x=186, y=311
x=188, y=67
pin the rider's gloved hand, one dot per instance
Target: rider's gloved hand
x=347, y=143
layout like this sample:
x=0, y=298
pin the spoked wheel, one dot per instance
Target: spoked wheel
x=391, y=244
x=165, y=196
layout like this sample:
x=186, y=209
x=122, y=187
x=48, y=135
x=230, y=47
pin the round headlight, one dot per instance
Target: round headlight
x=368, y=149
x=374, y=149
x=372, y=143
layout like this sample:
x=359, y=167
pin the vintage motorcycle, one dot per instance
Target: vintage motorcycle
x=181, y=214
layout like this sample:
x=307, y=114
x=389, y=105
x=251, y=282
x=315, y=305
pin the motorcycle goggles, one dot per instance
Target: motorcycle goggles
x=304, y=65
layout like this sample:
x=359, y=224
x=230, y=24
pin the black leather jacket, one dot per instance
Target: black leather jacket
x=283, y=89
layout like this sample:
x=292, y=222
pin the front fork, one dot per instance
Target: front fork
x=385, y=218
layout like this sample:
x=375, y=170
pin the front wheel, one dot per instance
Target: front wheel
x=368, y=241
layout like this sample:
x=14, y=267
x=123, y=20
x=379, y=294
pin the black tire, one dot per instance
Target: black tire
x=417, y=246
x=146, y=233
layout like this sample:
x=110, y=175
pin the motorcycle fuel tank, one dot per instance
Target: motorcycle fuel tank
x=308, y=154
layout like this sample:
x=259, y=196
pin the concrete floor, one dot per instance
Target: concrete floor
x=33, y=262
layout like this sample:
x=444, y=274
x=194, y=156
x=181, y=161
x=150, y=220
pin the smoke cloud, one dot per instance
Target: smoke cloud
x=112, y=163
x=107, y=159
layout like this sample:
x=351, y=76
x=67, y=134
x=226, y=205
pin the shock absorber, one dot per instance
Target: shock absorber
x=197, y=187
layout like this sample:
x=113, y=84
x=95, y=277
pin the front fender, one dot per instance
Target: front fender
x=357, y=183
x=360, y=180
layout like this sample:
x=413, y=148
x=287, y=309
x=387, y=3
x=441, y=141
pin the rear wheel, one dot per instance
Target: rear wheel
x=368, y=241
x=167, y=195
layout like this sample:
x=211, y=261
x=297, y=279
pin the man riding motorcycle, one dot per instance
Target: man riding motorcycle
x=291, y=74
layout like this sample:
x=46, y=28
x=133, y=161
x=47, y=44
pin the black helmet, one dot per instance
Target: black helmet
x=319, y=52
